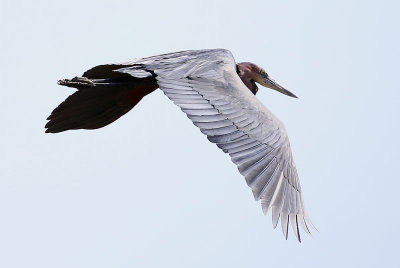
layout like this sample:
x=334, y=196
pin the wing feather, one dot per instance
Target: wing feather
x=205, y=85
x=234, y=144
x=206, y=118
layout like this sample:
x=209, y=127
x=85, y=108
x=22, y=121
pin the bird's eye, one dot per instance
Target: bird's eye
x=262, y=72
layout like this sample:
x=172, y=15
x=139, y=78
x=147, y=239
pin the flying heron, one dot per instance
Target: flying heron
x=218, y=95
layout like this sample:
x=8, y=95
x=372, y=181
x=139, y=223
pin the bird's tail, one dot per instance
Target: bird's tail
x=102, y=97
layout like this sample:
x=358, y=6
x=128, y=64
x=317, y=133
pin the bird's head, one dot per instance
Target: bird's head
x=251, y=73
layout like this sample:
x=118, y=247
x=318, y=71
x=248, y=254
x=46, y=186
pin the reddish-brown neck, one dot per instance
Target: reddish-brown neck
x=248, y=72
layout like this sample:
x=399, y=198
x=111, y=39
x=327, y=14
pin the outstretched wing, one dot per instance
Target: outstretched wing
x=205, y=85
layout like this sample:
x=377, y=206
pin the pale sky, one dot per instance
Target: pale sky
x=150, y=190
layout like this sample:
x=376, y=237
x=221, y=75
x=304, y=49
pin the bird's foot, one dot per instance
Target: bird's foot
x=76, y=82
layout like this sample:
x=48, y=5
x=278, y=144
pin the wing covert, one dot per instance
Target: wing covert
x=205, y=85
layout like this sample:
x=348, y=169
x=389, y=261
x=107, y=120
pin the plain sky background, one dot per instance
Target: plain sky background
x=150, y=190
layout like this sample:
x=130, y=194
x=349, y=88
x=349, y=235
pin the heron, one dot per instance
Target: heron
x=218, y=96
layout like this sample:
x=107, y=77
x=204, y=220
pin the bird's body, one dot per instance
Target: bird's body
x=218, y=95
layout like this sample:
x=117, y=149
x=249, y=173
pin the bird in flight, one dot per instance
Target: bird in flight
x=218, y=95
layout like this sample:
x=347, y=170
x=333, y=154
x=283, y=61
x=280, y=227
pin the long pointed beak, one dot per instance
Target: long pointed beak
x=266, y=81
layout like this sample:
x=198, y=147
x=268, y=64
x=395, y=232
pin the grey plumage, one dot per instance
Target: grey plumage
x=205, y=85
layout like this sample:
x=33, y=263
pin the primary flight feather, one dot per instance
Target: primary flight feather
x=218, y=95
